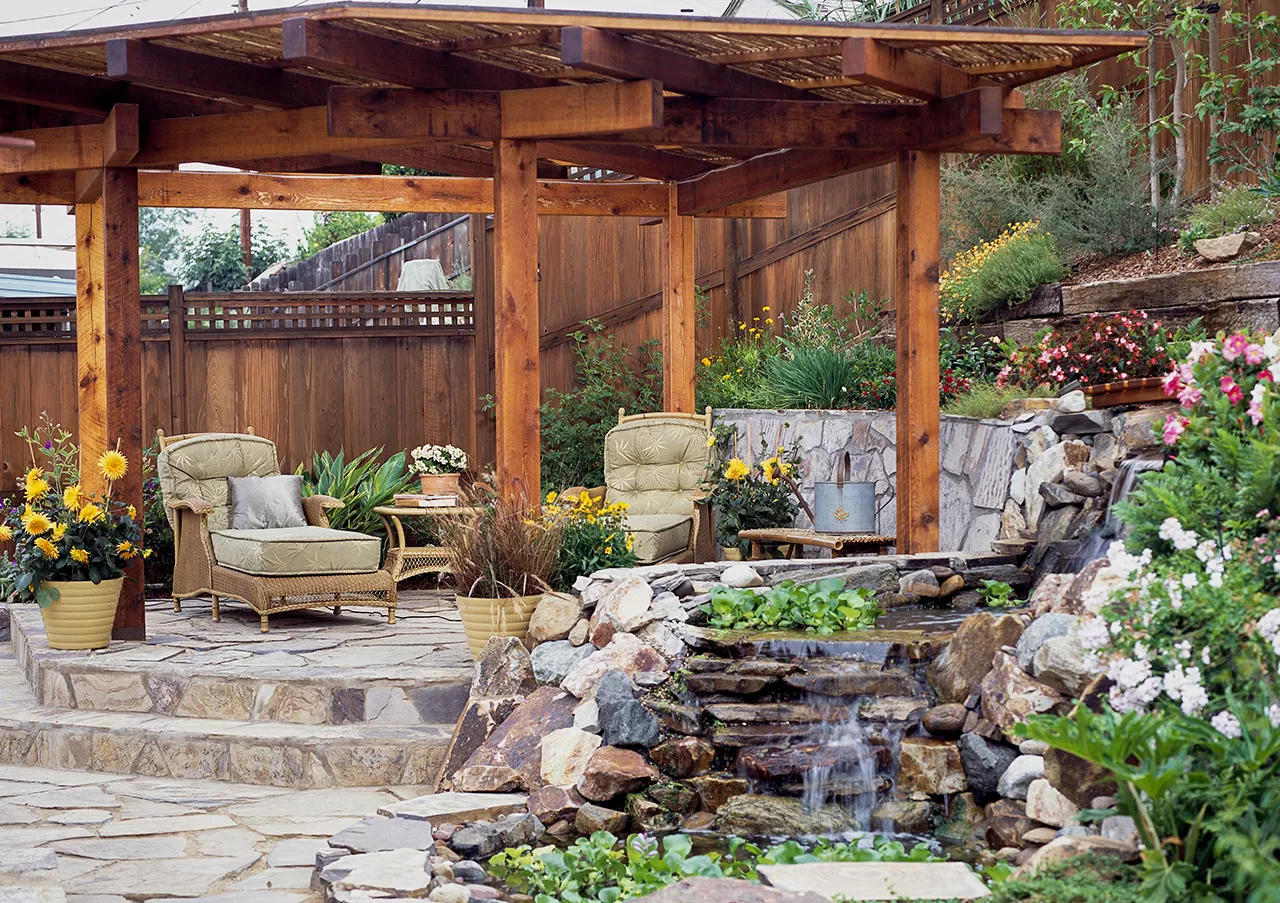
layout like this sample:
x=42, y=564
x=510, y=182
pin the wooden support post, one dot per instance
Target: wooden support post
x=515, y=296
x=916, y=299
x=109, y=349
x=482, y=314
x=727, y=321
x=177, y=360
x=679, y=327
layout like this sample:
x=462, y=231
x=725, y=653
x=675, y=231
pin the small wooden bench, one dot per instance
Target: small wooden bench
x=841, y=545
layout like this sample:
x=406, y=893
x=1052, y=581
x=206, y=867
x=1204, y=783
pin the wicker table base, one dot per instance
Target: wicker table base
x=840, y=544
x=405, y=561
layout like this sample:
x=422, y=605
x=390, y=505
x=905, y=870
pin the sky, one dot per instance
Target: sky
x=22, y=17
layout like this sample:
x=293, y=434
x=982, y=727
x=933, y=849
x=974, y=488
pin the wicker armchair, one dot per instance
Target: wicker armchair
x=657, y=464
x=272, y=570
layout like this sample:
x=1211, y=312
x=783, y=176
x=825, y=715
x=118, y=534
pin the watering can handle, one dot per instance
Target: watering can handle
x=842, y=470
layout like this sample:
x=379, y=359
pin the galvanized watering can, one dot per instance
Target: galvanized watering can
x=844, y=506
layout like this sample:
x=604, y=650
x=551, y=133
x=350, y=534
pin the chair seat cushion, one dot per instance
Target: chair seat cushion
x=296, y=551
x=657, y=536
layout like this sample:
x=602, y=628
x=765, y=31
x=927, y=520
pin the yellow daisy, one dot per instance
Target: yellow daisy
x=736, y=469
x=71, y=497
x=89, y=514
x=37, y=523
x=80, y=555
x=124, y=548
x=59, y=531
x=132, y=512
x=551, y=498
x=608, y=550
x=113, y=465
x=6, y=533
x=146, y=553
x=48, y=549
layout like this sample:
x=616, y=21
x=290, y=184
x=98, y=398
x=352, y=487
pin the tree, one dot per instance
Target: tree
x=14, y=230
x=331, y=228
x=212, y=258
x=160, y=246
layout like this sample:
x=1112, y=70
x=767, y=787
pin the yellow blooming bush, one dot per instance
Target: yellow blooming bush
x=1005, y=270
x=592, y=536
x=745, y=496
x=60, y=533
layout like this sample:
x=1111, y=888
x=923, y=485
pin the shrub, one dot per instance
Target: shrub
x=747, y=497
x=872, y=383
x=504, y=551
x=735, y=377
x=810, y=376
x=592, y=536
x=1232, y=210
x=822, y=608
x=361, y=484
x=574, y=423
x=1092, y=878
x=819, y=325
x=1006, y=270
x=985, y=401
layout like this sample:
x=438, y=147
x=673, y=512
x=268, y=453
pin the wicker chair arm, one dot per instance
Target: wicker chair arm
x=315, y=506
x=195, y=506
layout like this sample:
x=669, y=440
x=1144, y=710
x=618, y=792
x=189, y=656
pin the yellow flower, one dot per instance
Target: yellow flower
x=628, y=542
x=113, y=465
x=551, y=498
x=71, y=497
x=608, y=550
x=711, y=441
x=147, y=553
x=89, y=514
x=80, y=555
x=736, y=469
x=132, y=512
x=59, y=531
x=765, y=308
x=37, y=523
x=742, y=325
x=48, y=549
x=124, y=548
x=767, y=469
x=6, y=533
x=36, y=486
x=769, y=320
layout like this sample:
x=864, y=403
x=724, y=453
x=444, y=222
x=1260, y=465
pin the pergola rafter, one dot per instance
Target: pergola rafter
x=721, y=115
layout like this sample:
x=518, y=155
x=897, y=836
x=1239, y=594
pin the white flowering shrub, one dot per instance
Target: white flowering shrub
x=437, y=459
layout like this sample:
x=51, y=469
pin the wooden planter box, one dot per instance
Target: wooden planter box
x=1128, y=391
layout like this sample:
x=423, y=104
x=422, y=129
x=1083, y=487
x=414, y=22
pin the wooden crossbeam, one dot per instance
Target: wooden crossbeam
x=639, y=161
x=325, y=45
x=15, y=117
x=70, y=147
x=38, y=188
x=875, y=63
x=769, y=173
x=171, y=68
x=607, y=53
x=75, y=93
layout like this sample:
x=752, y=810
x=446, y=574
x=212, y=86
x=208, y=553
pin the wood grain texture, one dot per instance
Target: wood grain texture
x=679, y=355
x=916, y=296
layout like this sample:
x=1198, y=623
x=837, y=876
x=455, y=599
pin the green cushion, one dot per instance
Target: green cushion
x=197, y=468
x=658, y=536
x=296, y=551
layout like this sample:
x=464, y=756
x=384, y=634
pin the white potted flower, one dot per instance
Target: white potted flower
x=438, y=468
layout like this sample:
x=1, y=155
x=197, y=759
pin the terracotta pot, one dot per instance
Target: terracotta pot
x=439, y=483
x=81, y=616
x=485, y=618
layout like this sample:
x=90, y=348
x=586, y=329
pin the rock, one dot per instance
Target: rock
x=624, y=600
x=1007, y=823
x=1056, y=495
x=1049, y=595
x=1143, y=427
x=623, y=720
x=1121, y=828
x=551, y=804
x=794, y=760
x=665, y=607
x=553, y=662
x=733, y=684
x=682, y=719
x=725, y=890
x=892, y=816
x=946, y=720
x=1047, y=805
x=683, y=757
x=578, y=635
x=779, y=816
x=964, y=818
x=503, y=669
x=555, y=617
x=564, y=756
x=951, y=585
x=1019, y=775
x=450, y=893
x=741, y=576
x=625, y=653
x=1033, y=747
x=852, y=679
x=698, y=821
x=480, y=840
x=586, y=716
x=1010, y=695
x=592, y=818
x=1047, y=467
x=894, y=709
x=673, y=796
x=662, y=636
x=1069, y=847
x=1227, y=247
x=1061, y=664
x=377, y=833
x=1078, y=780
x=958, y=671
x=923, y=583
x=714, y=790
x=1082, y=483
x=1071, y=403
x=984, y=762
x=1082, y=423
x=515, y=747
x=611, y=772
x=930, y=766
x=1038, y=632
x=393, y=873
x=468, y=872
x=1039, y=835
x=649, y=817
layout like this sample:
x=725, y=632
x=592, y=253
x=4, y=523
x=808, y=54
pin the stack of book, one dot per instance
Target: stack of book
x=416, y=500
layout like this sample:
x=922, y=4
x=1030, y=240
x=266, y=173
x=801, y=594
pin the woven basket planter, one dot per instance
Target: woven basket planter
x=485, y=618
x=81, y=616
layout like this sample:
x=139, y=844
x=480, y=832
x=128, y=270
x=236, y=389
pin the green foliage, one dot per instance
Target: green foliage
x=574, y=423
x=735, y=376
x=156, y=528
x=814, y=325
x=745, y=496
x=332, y=227
x=987, y=400
x=592, y=536
x=1092, y=878
x=213, y=258
x=1005, y=271
x=810, y=376
x=997, y=594
x=822, y=608
x=361, y=484
x=160, y=247
x=1231, y=211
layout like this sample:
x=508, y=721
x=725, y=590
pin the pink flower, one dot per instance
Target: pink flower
x=1266, y=374
x=1235, y=346
x=1171, y=384
x=1174, y=426
x=1255, y=412
x=1190, y=396
x=1229, y=388
x=1253, y=353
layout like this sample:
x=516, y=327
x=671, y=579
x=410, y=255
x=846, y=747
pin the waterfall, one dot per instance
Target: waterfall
x=846, y=770
x=1094, y=545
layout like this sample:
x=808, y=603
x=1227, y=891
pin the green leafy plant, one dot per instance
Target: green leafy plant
x=592, y=536
x=155, y=525
x=1004, y=271
x=997, y=594
x=331, y=227
x=810, y=376
x=213, y=259
x=1092, y=878
x=986, y=400
x=822, y=608
x=361, y=484
x=816, y=325
x=1231, y=211
x=749, y=496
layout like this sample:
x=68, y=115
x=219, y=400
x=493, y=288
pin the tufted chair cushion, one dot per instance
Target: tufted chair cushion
x=198, y=467
x=655, y=465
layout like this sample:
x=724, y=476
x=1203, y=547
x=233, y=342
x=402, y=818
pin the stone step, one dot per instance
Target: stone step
x=320, y=671
x=280, y=755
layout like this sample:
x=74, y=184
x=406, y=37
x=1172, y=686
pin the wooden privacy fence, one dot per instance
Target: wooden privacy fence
x=311, y=371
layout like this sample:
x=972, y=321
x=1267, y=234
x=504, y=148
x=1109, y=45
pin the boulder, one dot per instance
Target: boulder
x=1121, y=828
x=1039, y=836
x=625, y=652
x=958, y=671
x=725, y=890
x=964, y=817
x=623, y=720
x=592, y=818
x=946, y=720
x=984, y=762
x=1056, y=495
x=1037, y=633
x=579, y=633
x=1069, y=847
x=1061, y=664
x=1010, y=695
x=951, y=585
x=587, y=716
x=650, y=817
x=1078, y=780
x=564, y=756
x=1081, y=483
x=479, y=840
x=514, y=750
x=663, y=636
x=930, y=766
x=1049, y=596
x=477, y=723
x=503, y=669
x=909, y=816
x=923, y=583
x=552, y=804
x=1227, y=248
x=698, y=821
x=469, y=872
x=741, y=576
x=682, y=719
x=553, y=661
x=1047, y=467
x=780, y=816
x=1017, y=778
x=673, y=796
x=624, y=600
x=683, y=757
x=555, y=617
x=714, y=790
x=1071, y=403
x=1082, y=423
x=1007, y=823
x=1048, y=806
x=611, y=772
x=1143, y=427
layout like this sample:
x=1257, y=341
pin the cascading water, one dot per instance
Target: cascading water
x=1095, y=545
x=845, y=768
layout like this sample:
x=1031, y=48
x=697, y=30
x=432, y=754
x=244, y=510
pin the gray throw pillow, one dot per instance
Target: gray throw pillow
x=265, y=503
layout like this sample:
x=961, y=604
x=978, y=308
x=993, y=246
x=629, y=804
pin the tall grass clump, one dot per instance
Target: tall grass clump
x=1004, y=271
x=504, y=551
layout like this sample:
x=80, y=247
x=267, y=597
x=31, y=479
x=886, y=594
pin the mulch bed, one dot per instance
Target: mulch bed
x=1096, y=268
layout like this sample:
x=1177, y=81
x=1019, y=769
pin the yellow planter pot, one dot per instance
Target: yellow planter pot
x=485, y=618
x=81, y=616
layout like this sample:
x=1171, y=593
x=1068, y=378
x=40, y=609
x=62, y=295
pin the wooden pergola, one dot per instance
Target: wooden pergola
x=713, y=117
